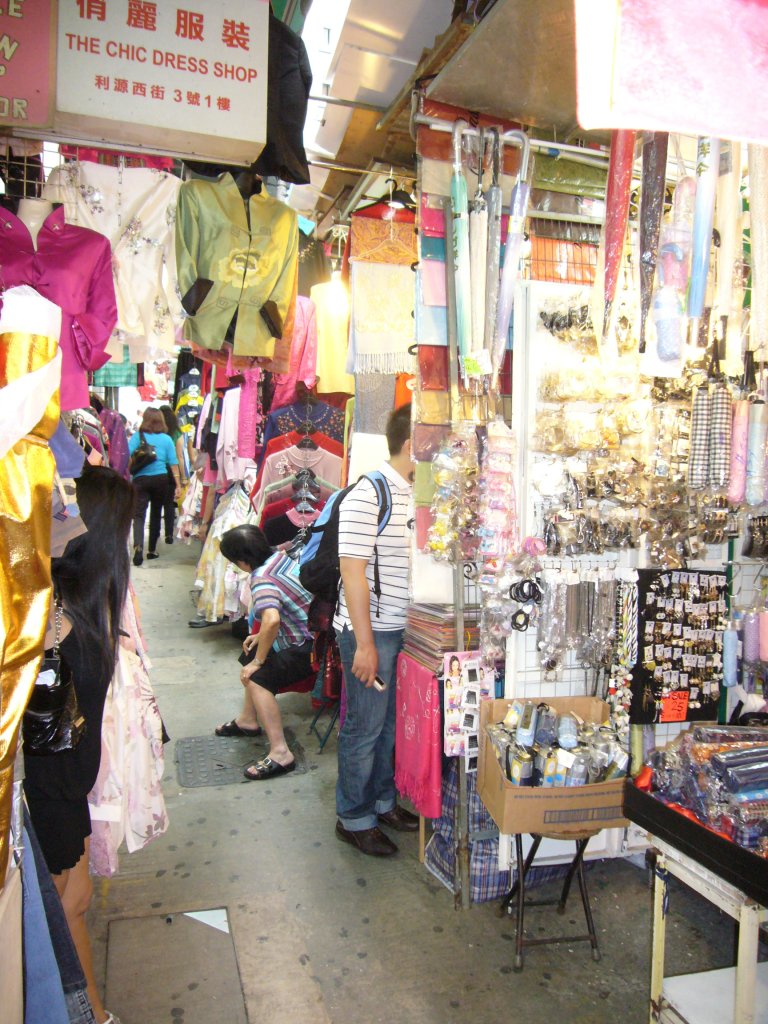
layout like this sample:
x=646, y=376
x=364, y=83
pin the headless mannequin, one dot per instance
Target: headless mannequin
x=248, y=184
x=33, y=213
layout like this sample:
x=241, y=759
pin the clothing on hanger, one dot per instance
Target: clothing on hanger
x=314, y=265
x=332, y=314
x=134, y=207
x=242, y=261
x=72, y=267
x=282, y=489
x=303, y=358
x=324, y=418
x=289, y=80
x=290, y=461
x=285, y=528
x=283, y=441
x=230, y=465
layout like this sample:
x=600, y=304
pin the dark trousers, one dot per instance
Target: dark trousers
x=151, y=491
x=169, y=507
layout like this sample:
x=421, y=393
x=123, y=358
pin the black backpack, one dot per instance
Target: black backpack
x=319, y=569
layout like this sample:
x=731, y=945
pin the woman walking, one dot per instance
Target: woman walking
x=169, y=509
x=151, y=482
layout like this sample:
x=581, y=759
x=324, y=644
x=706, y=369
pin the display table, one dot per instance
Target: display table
x=737, y=994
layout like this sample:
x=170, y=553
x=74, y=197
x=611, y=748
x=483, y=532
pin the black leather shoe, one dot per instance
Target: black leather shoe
x=400, y=820
x=370, y=841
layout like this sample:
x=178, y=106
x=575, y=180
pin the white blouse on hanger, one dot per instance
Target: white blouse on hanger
x=135, y=207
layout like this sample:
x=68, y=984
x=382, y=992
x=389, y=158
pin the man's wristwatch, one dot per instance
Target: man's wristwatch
x=257, y=662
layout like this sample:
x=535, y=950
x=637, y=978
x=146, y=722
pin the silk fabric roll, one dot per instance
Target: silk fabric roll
x=758, y=431
x=763, y=617
x=758, y=220
x=730, y=657
x=739, y=437
x=751, y=637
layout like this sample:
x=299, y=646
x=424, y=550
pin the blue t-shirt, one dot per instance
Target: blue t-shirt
x=166, y=453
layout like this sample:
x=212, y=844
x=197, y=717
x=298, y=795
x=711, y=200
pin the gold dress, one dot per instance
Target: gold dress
x=30, y=372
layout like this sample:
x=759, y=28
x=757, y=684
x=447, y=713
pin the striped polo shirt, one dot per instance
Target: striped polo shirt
x=358, y=523
x=275, y=584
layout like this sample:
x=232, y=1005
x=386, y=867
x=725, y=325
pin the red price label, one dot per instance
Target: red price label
x=674, y=708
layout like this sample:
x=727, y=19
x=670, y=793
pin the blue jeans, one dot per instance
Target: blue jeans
x=366, y=783
x=43, y=993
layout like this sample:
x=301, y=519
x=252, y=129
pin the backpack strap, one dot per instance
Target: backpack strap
x=384, y=496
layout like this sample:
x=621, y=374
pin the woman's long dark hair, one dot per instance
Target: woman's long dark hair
x=171, y=420
x=91, y=577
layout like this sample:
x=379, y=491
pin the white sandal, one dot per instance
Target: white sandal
x=111, y=1019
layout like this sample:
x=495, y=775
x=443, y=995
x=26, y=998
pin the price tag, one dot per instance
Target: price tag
x=674, y=708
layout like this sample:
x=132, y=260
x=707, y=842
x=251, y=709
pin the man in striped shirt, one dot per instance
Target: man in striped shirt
x=279, y=655
x=370, y=630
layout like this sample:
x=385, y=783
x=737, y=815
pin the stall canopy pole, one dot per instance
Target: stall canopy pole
x=461, y=815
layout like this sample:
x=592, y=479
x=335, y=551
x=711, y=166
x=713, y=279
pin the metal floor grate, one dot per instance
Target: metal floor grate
x=221, y=760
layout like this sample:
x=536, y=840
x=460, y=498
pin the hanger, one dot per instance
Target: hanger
x=306, y=443
x=306, y=489
x=297, y=543
x=306, y=504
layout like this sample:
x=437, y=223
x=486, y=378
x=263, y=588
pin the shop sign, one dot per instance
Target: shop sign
x=673, y=65
x=26, y=63
x=178, y=76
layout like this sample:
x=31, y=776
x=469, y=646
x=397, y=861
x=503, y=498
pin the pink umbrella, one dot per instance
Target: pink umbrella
x=617, y=211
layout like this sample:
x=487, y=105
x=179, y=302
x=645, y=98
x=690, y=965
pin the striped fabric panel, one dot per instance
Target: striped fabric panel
x=276, y=585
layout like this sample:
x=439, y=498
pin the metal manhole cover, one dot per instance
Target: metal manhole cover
x=221, y=760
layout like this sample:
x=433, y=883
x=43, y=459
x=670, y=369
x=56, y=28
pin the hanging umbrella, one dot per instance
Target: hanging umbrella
x=493, y=258
x=758, y=220
x=651, y=209
x=460, y=234
x=518, y=209
x=728, y=219
x=478, y=244
x=616, y=211
x=707, y=170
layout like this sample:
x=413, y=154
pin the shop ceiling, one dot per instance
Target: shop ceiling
x=518, y=63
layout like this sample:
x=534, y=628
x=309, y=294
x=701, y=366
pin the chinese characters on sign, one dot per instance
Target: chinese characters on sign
x=158, y=63
x=26, y=89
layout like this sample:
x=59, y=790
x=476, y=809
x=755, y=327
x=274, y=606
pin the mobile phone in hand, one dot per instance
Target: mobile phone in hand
x=379, y=684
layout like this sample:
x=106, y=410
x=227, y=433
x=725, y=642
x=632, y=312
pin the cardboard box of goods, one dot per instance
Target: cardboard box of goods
x=561, y=810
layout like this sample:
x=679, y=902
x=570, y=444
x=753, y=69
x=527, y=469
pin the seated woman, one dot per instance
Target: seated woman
x=279, y=655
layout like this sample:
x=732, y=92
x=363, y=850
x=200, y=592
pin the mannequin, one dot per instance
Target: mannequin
x=33, y=212
x=248, y=184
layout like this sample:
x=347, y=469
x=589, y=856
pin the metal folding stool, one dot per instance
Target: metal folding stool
x=517, y=894
x=313, y=726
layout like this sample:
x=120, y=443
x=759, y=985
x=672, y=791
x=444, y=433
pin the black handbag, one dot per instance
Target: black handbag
x=144, y=455
x=52, y=720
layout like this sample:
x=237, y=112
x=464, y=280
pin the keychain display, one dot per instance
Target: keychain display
x=500, y=611
x=452, y=536
x=678, y=670
x=497, y=529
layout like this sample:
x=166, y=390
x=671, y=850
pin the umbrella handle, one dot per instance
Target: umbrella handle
x=456, y=137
